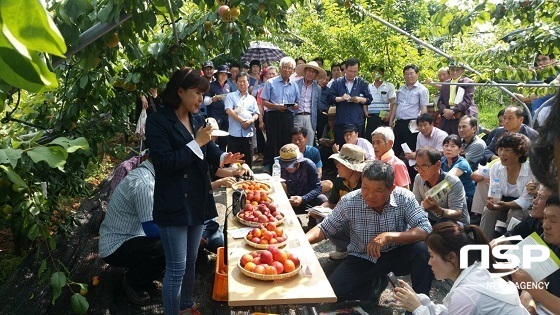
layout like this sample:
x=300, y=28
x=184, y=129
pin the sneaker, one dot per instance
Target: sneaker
x=136, y=297
x=336, y=255
x=191, y=311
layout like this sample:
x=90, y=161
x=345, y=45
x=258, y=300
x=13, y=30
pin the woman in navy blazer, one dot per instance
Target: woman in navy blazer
x=181, y=148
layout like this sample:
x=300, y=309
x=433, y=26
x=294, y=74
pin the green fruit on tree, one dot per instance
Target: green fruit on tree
x=207, y=26
x=8, y=216
x=7, y=209
x=235, y=12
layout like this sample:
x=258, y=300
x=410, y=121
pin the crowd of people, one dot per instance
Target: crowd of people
x=410, y=181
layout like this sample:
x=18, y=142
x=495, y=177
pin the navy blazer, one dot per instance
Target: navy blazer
x=347, y=112
x=182, y=195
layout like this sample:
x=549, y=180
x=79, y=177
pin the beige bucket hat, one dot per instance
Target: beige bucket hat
x=351, y=156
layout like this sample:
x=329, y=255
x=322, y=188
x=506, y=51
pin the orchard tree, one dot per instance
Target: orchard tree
x=71, y=71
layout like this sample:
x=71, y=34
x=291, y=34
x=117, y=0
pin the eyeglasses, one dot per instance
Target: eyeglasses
x=422, y=167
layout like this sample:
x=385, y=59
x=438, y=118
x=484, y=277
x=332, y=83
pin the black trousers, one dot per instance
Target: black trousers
x=372, y=123
x=241, y=145
x=354, y=277
x=278, y=126
x=144, y=258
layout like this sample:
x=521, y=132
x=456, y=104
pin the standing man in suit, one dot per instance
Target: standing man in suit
x=450, y=103
x=310, y=96
x=349, y=93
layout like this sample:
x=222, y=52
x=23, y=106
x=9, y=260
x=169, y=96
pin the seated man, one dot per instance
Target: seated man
x=472, y=146
x=533, y=223
x=129, y=238
x=387, y=229
x=302, y=184
x=544, y=298
x=351, y=136
x=326, y=142
x=299, y=138
x=350, y=163
x=513, y=123
x=428, y=136
x=451, y=206
x=383, y=139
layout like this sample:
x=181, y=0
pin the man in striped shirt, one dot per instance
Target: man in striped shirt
x=387, y=232
x=129, y=238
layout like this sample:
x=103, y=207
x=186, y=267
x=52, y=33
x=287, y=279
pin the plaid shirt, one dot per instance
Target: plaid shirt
x=400, y=214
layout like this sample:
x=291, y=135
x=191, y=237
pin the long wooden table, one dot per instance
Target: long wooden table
x=309, y=286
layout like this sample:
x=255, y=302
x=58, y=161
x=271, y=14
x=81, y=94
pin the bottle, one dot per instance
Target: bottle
x=495, y=190
x=276, y=169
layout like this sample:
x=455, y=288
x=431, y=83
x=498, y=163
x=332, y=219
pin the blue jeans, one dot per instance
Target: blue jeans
x=180, y=244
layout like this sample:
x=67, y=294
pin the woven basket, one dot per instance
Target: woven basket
x=269, y=189
x=257, y=224
x=259, y=276
x=265, y=246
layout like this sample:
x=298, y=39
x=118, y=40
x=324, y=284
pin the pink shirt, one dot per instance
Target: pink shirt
x=402, y=178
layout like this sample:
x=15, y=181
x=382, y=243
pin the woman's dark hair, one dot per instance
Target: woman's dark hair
x=186, y=78
x=452, y=138
x=543, y=164
x=449, y=237
x=516, y=141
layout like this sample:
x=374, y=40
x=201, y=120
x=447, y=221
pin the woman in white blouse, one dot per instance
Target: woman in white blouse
x=475, y=289
x=513, y=173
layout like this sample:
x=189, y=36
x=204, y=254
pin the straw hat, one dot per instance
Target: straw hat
x=351, y=156
x=330, y=112
x=290, y=155
x=300, y=70
x=216, y=132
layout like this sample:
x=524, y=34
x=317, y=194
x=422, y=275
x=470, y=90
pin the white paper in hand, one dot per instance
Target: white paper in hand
x=406, y=149
x=460, y=95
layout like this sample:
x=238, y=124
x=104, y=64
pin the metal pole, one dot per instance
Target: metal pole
x=495, y=84
x=436, y=50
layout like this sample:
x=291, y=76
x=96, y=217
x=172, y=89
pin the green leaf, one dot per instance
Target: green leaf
x=34, y=210
x=36, y=30
x=23, y=68
x=58, y=280
x=52, y=243
x=13, y=176
x=71, y=146
x=76, y=8
x=42, y=268
x=55, y=156
x=10, y=155
x=33, y=232
x=78, y=304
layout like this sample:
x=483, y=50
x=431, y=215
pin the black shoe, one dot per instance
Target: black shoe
x=135, y=296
